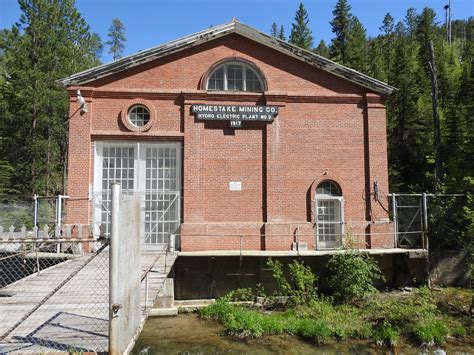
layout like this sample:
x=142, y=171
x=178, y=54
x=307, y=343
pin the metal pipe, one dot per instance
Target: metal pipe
x=146, y=291
x=430, y=195
x=58, y=220
x=241, y=244
x=114, y=271
x=395, y=220
x=425, y=238
x=35, y=217
x=297, y=241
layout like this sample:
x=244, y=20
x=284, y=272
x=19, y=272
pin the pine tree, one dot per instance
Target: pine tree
x=357, y=47
x=322, y=49
x=281, y=34
x=411, y=21
x=117, y=38
x=407, y=124
x=49, y=42
x=300, y=32
x=376, y=60
x=274, y=29
x=425, y=32
x=388, y=38
x=341, y=27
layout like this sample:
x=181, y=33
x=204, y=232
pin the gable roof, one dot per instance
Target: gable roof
x=215, y=32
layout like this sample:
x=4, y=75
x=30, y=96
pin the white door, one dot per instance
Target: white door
x=329, y=223
x=161, y=212
x=150, y=170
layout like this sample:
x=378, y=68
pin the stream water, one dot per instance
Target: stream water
x=187, y=334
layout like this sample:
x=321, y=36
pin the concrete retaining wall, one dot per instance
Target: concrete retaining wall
x=449, y=267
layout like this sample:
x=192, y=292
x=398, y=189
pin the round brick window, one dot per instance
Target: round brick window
x=138, y=115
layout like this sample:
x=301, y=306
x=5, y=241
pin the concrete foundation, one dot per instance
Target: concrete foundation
x=210, y=277
x=449, y=267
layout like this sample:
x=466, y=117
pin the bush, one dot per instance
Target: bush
x=387, y=334
x=431, y=332
x=302, y=289
x=241, y=294
x=352, y=275
x=313, y=329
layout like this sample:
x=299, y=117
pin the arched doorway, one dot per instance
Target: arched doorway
x=329, y=215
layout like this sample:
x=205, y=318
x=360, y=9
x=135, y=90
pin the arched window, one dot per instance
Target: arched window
x=329, y=215
x=235, y=76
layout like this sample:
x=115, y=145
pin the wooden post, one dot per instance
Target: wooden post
x=436, y=125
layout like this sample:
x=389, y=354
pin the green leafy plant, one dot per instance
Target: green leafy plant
x=387, y=334
x=431, y=332
x=302, y=288
x=304, y=281
x=353, y=275
x=284, y=287
x=241, y=294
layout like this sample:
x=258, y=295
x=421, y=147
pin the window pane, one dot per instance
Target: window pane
x=234, y=77
x=252, y=82
x=230, y=76
x=328, y=188
x=216, y=81
x=139, y=115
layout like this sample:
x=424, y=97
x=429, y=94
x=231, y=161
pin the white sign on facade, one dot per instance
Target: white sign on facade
x=235, y=185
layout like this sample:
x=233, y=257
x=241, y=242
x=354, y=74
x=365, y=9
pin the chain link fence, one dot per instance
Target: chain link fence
x=53, y=301
x=67, y=288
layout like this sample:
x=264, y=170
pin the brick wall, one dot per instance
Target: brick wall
x=327, y=128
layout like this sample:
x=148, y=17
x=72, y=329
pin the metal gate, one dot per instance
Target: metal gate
x=410, y=218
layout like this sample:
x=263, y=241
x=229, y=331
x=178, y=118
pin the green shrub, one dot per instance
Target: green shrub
x=284, y=287
x=241, y=294
x=302, y=289
x=431, y=332
x=352, y=275
x=459, y=331
x=313, y=329
x=387, y=334
x=218, y=310
x=244, y=323
x=404, y=311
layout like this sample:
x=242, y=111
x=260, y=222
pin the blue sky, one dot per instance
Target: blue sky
x=152, y=22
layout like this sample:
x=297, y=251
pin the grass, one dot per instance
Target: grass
x=421, y=316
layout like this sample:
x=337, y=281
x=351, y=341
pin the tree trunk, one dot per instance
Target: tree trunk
x=436, y=125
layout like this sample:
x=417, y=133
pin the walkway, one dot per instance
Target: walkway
x=75, y=318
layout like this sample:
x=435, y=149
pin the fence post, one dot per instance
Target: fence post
x=146, y=290
x=35, y=217
x=426, y=245
x=113, y=271
x=395, y=219
x=172, y=243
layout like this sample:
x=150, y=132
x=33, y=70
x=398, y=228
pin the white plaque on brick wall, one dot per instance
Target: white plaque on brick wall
x=235, y=185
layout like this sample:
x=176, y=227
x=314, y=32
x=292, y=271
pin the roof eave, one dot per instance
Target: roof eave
x=197, y=38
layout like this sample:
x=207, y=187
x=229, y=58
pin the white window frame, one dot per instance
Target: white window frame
x=139, y=186
x=244, y=76
x=134, y=107
x=324, y=245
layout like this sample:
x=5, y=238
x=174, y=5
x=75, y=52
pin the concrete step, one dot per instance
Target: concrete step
x=163, y=312
x=192, y=305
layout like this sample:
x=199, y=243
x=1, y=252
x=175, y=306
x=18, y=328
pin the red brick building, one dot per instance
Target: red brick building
x=230, y=132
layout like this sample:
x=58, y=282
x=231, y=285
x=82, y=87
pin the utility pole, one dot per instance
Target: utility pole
x=436, y=125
